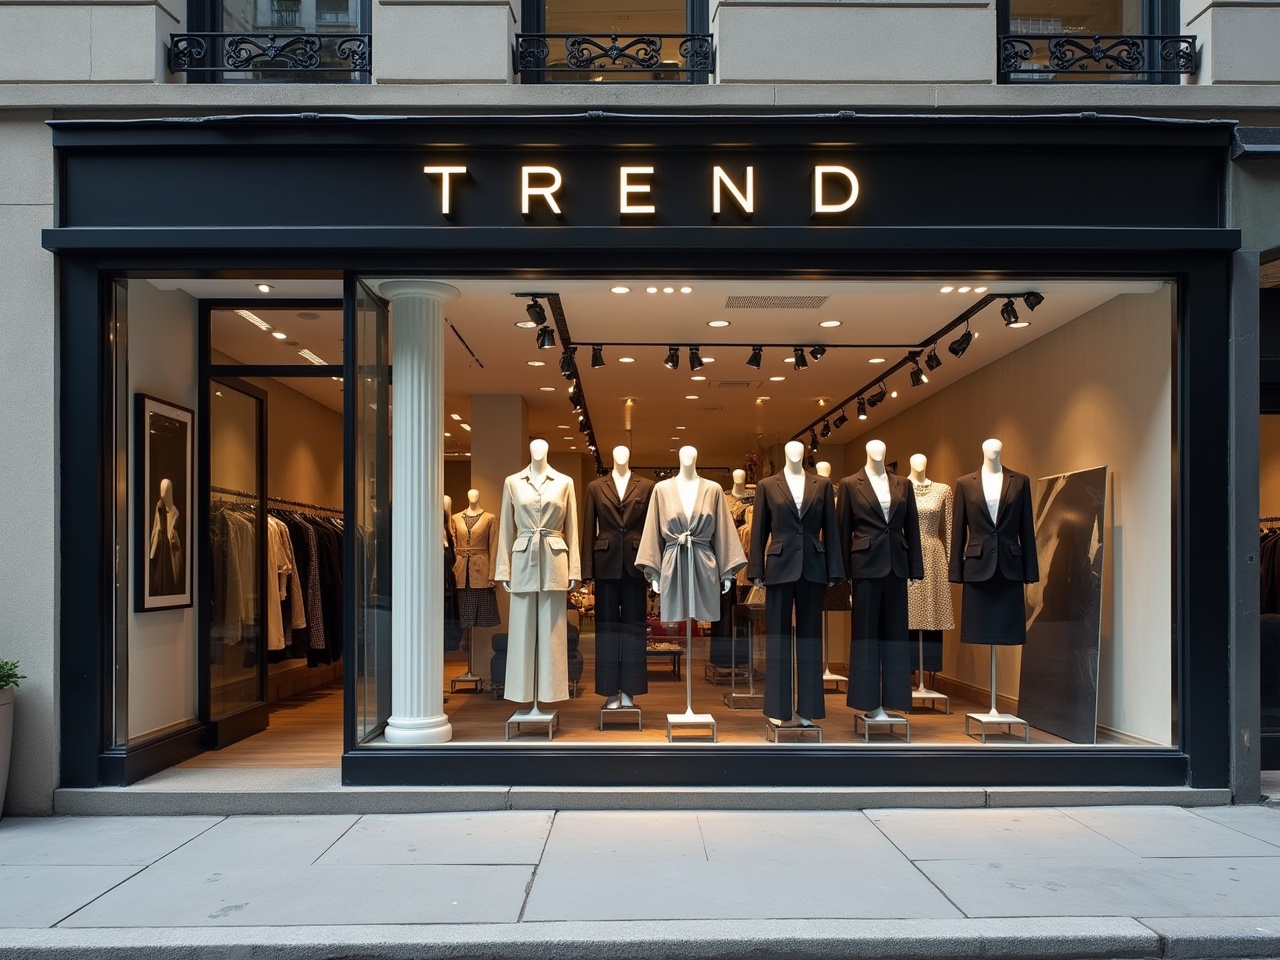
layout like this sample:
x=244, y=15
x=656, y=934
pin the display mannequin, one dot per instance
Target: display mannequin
x=838, y=596
x=538, y=563
x=794, y=558
x=475, y=533
x=929, y=600
x=168, y=571
x=721, y=647
x=739, y=488
x=614, y=515
x=880, y=540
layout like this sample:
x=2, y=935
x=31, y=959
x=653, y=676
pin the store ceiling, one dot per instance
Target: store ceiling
x=722, y=415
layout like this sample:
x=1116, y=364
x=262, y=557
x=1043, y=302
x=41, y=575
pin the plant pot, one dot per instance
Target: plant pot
x=6, y=739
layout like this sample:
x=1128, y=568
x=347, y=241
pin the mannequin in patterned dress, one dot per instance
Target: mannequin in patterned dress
x=929, y=600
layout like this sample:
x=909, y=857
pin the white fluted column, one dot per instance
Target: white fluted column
x=417, y=517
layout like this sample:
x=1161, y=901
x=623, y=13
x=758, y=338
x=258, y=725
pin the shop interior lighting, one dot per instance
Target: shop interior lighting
x=537, y=312
x=862, y=409
x=818, y=353
x=1009, y=313
x=829, y=323
x=265, y=288
x=619, y=289
x=801, y=362
x=308, y=355
x=686, y=289
x=280, y=335
x=256, y=320
x=718, y=324
x=877, y=398
x=673, y=359
x=1033, y=299
x=917, y=375
x=960, y=344
x=826, y=429
x=597, y=357
x=546, y=338
x=568, y=369
x=575, y=399
x=757, y=356
x=841, y=418
x=813, y=441
x=932, y=360
x=695, y=358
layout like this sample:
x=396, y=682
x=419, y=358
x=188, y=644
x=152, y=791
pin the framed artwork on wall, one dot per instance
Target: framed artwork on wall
x=162, y=504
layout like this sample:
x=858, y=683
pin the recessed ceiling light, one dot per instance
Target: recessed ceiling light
x=777, y=379
x=256, y=320
x=963, y=289
x=448, y=434
x=308, y=355
x=691, y=396
x=682, y=428
x=566, y=438
x=650, y=289
x=619, y=289
x=455, y=416
x=788, y=359
x=265, y=288
x=668, y=289
x=708, y=359
x=717, y=323
x=535, y=363
x=547, y=389
x=945, y=289
x=573, y=448
x=763, y=399
x=467, y=454
x=979, y=289
x=562, y=426
x=894, y=394
x=830, y=323
x=280, y=335
x=686, y=289
x=698, y=377
x=876, y=360
x=465, y=426
x=525, y=324
x=675, y=438
x=626, y=359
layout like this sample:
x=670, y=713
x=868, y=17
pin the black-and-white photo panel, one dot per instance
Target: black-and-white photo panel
x=162, y=505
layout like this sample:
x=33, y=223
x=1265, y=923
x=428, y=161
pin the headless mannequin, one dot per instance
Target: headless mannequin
x=621, y=475
x=166, y=494
x=879, y=478
x=793, y=471
x=992, y=472
x=473, y=504
x=688, y=484
x=918, y=464
x=822, y=469
x=739, y=488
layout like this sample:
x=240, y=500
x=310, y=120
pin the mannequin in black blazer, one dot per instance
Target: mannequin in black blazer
x=881, y=553
x=611, y=530
x=794, y=556
x=993, y=558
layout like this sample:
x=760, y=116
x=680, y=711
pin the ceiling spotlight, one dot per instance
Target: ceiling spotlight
x=568, y=369
x=597, y=357
x=877, y=398
x=264, y=288
x=1032, y=299
x=695, y=358
x=757, y=355
x=862, y=409
x=960, y=344
x=801, y=362
x=546, y=338
x=1010, y=316
x=673, y=359
x=826, y=429
x=841, y=418
x=536, y=312
x=818, y=353
x=813, y=441
x=932, y=360
x=575, y=399
x=917, y=375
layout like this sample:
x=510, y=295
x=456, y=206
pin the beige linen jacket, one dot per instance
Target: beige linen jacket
x=476, y=550
x=538, y=533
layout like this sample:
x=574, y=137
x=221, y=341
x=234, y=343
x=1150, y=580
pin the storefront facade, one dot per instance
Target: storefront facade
x=433, y=204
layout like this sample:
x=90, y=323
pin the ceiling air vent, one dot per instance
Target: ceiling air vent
x=774, y=303
x=738, y=384
x=710, y=409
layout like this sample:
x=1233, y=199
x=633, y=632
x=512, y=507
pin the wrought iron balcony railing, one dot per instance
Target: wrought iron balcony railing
x=316, y=57
x=1034, y=56
x=645, y=58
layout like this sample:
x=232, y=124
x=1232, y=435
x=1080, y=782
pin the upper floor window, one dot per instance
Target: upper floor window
x=584, y=41
x=319, y=41
x=1129, y=41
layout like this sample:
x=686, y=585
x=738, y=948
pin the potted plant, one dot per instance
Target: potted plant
x=9, y=678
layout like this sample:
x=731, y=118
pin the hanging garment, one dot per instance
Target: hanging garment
x=284, y=586
x=929, y=600
x=994, y=559
x=167, y=574
x=670, y=537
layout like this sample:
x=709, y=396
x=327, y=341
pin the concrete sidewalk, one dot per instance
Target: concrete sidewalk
x=1077, y=882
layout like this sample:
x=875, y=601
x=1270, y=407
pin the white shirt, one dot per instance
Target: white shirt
x=880, y=484
x=991, y=485
x=620, y=481
x=796, y=485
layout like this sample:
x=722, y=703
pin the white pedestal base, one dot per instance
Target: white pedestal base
x=621, y=715
x=744, y=701
x=476, y=681
x=691, y=721
x=534, y=718
x=887, y=723
x=793, y=732
x=925, y=695
x=831, y=682
x=1007, y=720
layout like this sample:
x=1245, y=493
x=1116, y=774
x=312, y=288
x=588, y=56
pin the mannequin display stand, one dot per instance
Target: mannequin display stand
x=471, y=677
x=995, y=718
x=622, y=715
x=923, y=694
x=879, y=718
x=744, y=620
x=831, y=681
x=689, y=720
x=775, y=731
x=535, y=715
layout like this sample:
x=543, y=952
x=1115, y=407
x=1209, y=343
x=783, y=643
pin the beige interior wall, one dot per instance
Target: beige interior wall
x=1095, y=391
x=1269, y=465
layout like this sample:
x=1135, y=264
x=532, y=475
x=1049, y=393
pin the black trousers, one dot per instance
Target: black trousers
x=879, y=648
x=620, y=629
x=780, y=600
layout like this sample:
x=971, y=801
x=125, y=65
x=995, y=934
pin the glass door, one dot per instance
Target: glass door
x=368, y=509
x=233, y=682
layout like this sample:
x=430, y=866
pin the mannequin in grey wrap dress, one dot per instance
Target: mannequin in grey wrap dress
x=671, y=532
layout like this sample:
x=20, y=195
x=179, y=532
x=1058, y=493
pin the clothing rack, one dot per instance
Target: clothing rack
x=1269, y=519
x=278, y=501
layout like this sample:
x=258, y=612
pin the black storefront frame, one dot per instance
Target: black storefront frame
x=1198, y=258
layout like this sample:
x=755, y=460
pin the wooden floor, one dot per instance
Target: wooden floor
x=306, y=731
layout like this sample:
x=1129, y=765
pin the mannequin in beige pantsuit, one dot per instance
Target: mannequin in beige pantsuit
x=538, y=562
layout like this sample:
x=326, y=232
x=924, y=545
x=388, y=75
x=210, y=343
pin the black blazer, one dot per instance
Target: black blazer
x=873, y=546
x=611, y=528
x=978, y=545
x=788, y=544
